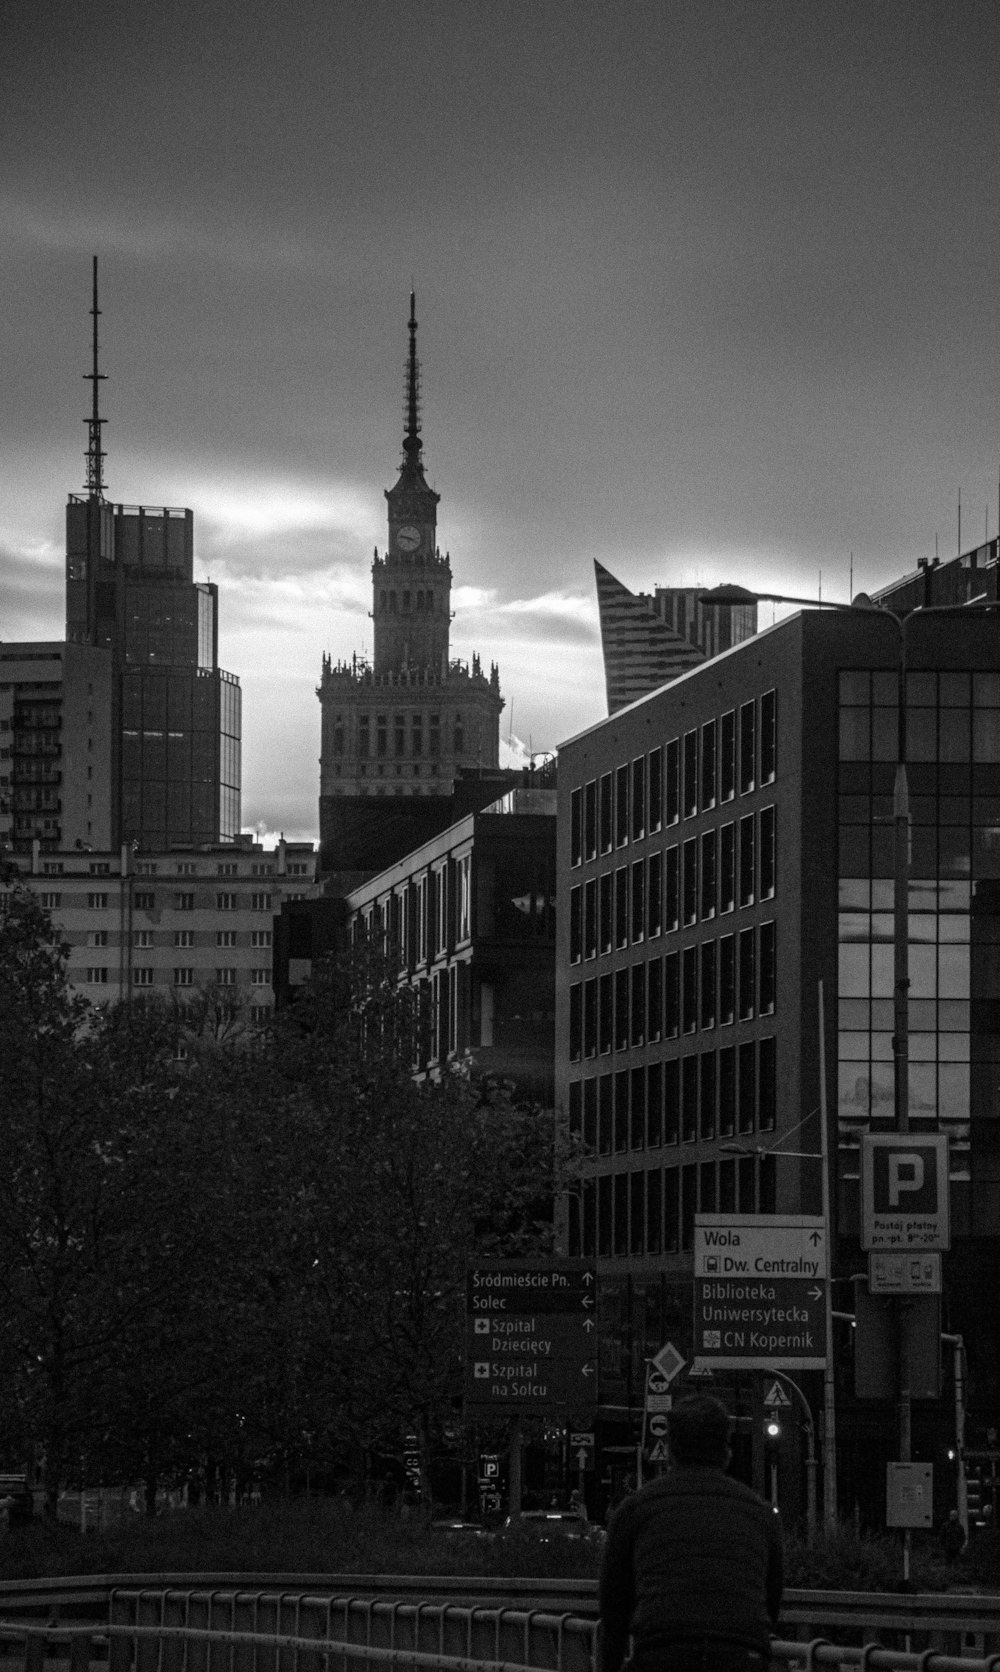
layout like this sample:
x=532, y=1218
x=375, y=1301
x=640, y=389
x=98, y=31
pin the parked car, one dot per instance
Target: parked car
x=450, y=1525
x=552, y=1524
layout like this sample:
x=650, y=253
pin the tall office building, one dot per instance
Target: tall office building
x=55, y=746
x=402, y=732
x=175, y=720
x=725, y=852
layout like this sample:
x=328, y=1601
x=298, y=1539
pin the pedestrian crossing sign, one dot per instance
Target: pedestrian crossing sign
x=776, y=1397
x=660, y=1452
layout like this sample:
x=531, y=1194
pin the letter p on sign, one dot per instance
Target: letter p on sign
x=906, y=1177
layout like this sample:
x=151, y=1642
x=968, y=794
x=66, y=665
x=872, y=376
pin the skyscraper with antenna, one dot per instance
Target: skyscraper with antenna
x=175, y=719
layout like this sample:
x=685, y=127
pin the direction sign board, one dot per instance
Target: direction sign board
x=760, y=1291
x=904, y=1191
x=531, y=1335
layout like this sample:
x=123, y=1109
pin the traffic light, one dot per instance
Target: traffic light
x=772, y=1427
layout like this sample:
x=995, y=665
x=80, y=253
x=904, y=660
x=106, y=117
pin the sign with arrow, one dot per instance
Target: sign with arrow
x=531, y=1336
x=760, y=1292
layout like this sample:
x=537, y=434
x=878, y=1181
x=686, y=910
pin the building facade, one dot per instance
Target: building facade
x=470, y=915
x=399, y=731
x=726, y=853
x=173, y=925
x=57, y=746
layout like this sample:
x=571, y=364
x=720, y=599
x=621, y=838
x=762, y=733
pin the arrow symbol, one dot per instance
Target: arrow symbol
x=588, y=1323
x=815, y=1294
x=586, y=1301
x=587, y=1370
x=815, y=1238
x=588, y=1277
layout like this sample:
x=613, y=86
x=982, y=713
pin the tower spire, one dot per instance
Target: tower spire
x=411, y=440
x=95, y=452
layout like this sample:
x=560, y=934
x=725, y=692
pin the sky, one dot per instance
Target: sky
x=706, y=291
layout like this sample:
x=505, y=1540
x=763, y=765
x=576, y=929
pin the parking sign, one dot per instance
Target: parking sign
x=904, y=1191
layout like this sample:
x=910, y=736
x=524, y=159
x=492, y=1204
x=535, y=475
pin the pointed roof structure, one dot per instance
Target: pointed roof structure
x=641, y=651
x=411, y=477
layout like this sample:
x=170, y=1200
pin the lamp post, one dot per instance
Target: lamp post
x=721, y=597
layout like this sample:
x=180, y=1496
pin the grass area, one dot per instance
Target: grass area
x=330, y=1536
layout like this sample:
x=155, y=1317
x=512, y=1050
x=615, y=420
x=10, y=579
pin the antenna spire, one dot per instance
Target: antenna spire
x=411, y=440
x=95, y=453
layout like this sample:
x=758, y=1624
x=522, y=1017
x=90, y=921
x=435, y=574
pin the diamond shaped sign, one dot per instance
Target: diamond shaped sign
x=668, y=1361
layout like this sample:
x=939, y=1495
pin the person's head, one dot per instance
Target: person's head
x=698, y=1430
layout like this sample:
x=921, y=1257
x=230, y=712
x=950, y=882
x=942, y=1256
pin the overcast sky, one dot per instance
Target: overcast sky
x=706, y=291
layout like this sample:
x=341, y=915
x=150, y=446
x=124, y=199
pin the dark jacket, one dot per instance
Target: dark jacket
x=694, y=1553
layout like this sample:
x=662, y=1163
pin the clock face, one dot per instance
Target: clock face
x=408, y=538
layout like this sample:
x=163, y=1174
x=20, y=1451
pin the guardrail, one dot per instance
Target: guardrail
x=296, y=1623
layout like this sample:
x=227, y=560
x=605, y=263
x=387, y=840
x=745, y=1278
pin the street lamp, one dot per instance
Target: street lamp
x=728, y=596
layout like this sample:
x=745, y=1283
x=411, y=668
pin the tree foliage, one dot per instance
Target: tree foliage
x=252, y=1258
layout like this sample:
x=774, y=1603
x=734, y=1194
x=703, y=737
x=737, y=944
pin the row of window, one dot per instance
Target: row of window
x=427, y=918
x=704, y=986
x=228, y=976
x=735, y=864
x=143, y=900
x=186, y=868
x=700, y=1097
x=652, y=1211
x=949, y=716
x=182, y=937
x=408, y=735
x=686, y=776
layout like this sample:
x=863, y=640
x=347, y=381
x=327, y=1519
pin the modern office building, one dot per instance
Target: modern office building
x=470, y=914
x=174, y=713
x=726, y=853
x=401, y=732
x=56, y=746
x=648, y=640
x=173, y=924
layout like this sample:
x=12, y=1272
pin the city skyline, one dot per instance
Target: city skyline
x=704, y=293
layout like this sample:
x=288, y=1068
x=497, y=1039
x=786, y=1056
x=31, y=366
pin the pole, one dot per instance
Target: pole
x=829, y=1376
x=961, y=1479
x=514, y=1468
x=783, y=1376
x=901, y=1041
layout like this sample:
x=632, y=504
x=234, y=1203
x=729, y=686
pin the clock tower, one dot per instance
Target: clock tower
x=411, y=739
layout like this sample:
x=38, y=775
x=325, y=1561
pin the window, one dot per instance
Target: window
x=463, y=868
x=621, y=806
x=575, y=925
x=671, y=995
x=654, y=896
x=655, y=790
x=184, y=902
x=604, y=913
x=100, y=868
x=671, y=889
x=575, y=1020
x=259, y=1015
x=727, y=756
x=186, y=869
x=708, y=877
x=638, y=1004
x=183, y=977
x=768, y=736
x=144, y=901
x=689, y=989
x=268, y=870
x=228, y=870
x=576, y=828
x=747, y=957
x=672, y=782
x=747, y=1072
x=621, y=906
x=768, y=853
x=747, y=860
x=768, y=970
x=639, y=798
x=142, y=976
x=589, y=918
x=50, y=902
x=225, y=902
x=621, y=1010
x=654, y=1000
x=727, y=867
x=260, y=902
x=52, y=867
x=142, y=937
x=689, y=890
x=605, y=1021
x=97, y=976
x=638, y=900
x=748, y=753
x=706, y=1004
x=605, y=813
x=97, y=902
x=225, y=937
x=590, y=820
x=225, y=977
x=727, y=979
x=260, y=977
x=260, y=937
x=590, y=1018
x=145, y=867
x=690, y=785
x=183, y=937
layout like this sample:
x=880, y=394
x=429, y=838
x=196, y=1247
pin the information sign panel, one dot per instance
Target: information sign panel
x=760, y=1292
x=531, y=1336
